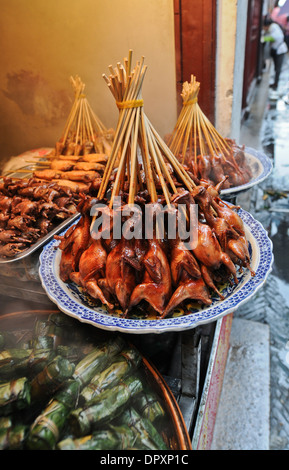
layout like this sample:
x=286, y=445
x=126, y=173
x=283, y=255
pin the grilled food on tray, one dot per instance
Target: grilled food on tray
x=199, y=146
x=29, y=209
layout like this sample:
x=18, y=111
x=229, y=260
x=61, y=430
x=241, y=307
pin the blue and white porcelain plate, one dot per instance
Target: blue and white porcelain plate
x=261, y=166
x=74, y=303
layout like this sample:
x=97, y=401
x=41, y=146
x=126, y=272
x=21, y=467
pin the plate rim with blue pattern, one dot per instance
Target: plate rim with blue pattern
x=65, y=295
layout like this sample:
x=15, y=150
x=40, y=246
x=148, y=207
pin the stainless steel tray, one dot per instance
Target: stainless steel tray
x=26, y=171
x=42, y=241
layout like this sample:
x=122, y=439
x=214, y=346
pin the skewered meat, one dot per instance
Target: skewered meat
x=217, y=171
x=214, y=191
x=44, y=225
x=208, y=250
x=51, y=210
x=73, y=175
x=213, y=167
x=5, y=204
x=21, y=223
x=164, y=273
x=204, y=166
x=87, y=146
x=46, y=174
x=39, y=191
x=94, y=186
x=142, y=273
x=186, y=277
x=95, y=158
x=75, y=186
x=72, y=148
x=25, y=207
x=239, y=252
x=88, y=166
x=92, y=265
x=80, y=175
x=59, y=146
x=29, y=210
x=156, y=285
x=182, y=260
x=119, y=276
x=204, y=199
x=62, y=165
x=183, y=197
x=7, y=236
x=239, y=157
x=229, y=215
x=11, y=249
x=193, y=289
x=223, y=231
x=74, y=242
x=63, y=201
x=73, y=158
x=208, y=277
x=236, y=177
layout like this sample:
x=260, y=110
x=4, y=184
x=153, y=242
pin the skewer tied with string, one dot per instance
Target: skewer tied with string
x=81, y=153
x=198, y=144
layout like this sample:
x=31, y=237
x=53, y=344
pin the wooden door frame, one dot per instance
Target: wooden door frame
x=195, y=46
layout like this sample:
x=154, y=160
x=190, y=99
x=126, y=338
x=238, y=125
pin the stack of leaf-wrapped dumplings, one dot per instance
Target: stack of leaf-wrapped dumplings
x=91, y=395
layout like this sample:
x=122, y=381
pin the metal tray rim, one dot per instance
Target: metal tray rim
x=41, y=241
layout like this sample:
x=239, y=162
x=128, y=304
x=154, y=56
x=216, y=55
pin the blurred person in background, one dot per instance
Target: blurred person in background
x=275, y=36
x=282, y=20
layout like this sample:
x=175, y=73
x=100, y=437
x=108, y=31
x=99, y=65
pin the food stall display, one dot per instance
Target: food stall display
x=63, y=384
x=162, y=272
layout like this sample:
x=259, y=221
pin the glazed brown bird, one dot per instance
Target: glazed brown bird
x=156, y=285
x=239, y=252
x=204, y=200
x=189, y=288
x=182, y=260
x=204, y=167
x=229, y=215
x=208, y=250
x=120, y=277
x=74, y=242
x=25, y=207
x=5, y=204
x=223, y=231
x=217, y=171
x=11, y=249
x=92, y=265
x=7, y=236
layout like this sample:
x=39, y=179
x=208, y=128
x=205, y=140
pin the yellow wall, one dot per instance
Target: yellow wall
x=44, y=42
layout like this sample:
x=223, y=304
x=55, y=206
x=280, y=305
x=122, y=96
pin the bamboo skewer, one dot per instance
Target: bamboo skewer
x=135, y=132
x=193, y=131
x=82, y=124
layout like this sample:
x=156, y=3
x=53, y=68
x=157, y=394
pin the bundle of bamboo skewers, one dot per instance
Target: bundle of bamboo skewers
x=83, y=132
x=197, y=143
x=145, y=161
x=80, y=155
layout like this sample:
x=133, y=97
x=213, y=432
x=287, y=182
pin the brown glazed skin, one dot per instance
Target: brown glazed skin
x=156, y=285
